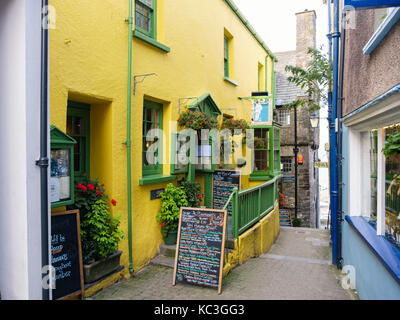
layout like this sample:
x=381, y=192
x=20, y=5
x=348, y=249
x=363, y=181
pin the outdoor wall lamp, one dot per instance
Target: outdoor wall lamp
x=314, y=119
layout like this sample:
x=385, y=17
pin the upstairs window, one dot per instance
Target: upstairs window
x=284, y=116
x=226, y=57
x=145, y=17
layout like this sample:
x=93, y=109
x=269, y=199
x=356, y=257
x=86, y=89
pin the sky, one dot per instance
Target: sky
x=275, y=21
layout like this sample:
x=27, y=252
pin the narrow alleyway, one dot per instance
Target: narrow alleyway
x=297, y=267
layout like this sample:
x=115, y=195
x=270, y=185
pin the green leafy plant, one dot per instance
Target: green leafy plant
x=259, y=143
x=392, y=145
x=172, y=199
x=193, y=193
x=196, y=120
x=88, y=193
x=297, y=222
x=315, y=79
x=102, y=229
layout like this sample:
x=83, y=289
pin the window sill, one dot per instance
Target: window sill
x=383, y=249
x=151, y=41
x=155, y=179
x=260, y=176
x=231, y=81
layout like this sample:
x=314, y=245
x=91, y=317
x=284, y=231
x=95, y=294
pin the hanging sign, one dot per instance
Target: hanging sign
x=199, y=257
x=261, y=112
x=370, y=4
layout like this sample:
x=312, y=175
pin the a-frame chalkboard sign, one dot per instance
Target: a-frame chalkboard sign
x=222, y=186
x=66, y=254
x=199, y=257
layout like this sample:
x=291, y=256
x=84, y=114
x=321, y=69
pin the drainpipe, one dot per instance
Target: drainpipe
x=333, y=137
x=128, y=134
x=43, y=162
x=340, y=152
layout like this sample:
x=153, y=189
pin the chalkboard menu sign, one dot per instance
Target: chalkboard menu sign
x=223, y=183
x=200, y=249
x=66, y=254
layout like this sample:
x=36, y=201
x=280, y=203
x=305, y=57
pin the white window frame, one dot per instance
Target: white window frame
x=378, y=115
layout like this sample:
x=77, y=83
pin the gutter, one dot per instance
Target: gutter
x=248, y=26
x=128, y=142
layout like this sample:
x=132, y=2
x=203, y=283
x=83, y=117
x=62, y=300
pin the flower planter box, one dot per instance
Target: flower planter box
x=99, y=269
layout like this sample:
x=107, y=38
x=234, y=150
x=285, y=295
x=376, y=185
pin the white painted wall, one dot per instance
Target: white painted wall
x=20, y=229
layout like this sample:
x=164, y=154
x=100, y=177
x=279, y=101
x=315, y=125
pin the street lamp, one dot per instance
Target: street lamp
x=314, y=119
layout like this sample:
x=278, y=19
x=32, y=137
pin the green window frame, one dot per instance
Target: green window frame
x=277, y=149
x=261, y=154
x=145, y=17
x=78, y=127
x=152, y=119
x=226, y=57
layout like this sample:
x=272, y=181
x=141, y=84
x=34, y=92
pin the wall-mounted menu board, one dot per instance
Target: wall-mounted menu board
x=66, y=254
x=223, y=183
x=200, y=250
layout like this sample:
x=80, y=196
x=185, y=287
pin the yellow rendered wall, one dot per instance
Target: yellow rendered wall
x=88, y=63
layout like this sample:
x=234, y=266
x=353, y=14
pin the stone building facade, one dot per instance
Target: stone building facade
x=307, y=137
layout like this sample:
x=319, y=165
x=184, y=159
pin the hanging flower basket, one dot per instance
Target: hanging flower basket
x=196, y=120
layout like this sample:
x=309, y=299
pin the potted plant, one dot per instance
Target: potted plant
x=172, y=199
x=100, y=233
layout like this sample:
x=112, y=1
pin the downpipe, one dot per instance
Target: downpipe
x=43, y=162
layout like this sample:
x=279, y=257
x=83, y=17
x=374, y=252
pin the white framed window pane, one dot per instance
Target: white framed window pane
x=392, y=194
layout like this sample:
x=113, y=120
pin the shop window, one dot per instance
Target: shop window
x=389, y=179
x=277, y=149
x=152, y=138
x=78, y=127
x=145, y=17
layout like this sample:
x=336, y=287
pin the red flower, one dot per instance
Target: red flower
x=90, y=187
x=114, y=203
x=79, y=186
x=102, y=185
x=84, y=174
x=98, y=192
x=199, y=197
x=197, y=204
x=83, y=188
x=163, y=224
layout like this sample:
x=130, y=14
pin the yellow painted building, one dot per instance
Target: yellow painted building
x=186, y=49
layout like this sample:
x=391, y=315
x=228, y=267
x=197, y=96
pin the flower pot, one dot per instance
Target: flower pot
x=171, y=237
x=98, y=269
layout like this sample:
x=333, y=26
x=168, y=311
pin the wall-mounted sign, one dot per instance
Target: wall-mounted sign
x=199, y=257
x=262, y=112
x=370, y=4
x=156, y=194
x=61, y=168
x=288, y=179
x=223, y=183
x=319, y=164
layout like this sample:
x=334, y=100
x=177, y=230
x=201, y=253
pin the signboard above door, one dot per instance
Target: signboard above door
x=370, y=4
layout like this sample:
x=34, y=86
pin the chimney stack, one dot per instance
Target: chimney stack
x=306, y=36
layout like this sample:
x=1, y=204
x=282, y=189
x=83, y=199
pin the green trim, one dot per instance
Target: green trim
x=137, y=34
x=77, y=109
x=153, y=19
x=128, y=141
x=265, y=177
x=155, y=169
x=231, y=81
x=207, y=98
x=156, y=179
x=246, y=23
x=226, y=56
x=208, y=177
